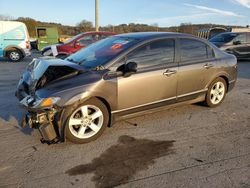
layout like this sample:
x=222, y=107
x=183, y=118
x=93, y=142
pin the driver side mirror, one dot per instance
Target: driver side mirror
x=236, y=42
x=128, y=69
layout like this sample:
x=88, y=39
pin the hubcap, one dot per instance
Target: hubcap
x=86, y=121
x=14, y=56
x=217, y=93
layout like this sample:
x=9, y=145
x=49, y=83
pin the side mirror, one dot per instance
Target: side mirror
x=129, y=69
x=236, y=42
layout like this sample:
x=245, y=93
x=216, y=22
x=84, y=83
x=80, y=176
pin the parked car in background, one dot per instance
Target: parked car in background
x=74, y=44
x=119, y=77
x=236, y=43
x=14, y=40
x=46, y=35
x=208, y=33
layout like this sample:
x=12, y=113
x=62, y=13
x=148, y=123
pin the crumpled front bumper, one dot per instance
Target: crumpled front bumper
x=41, y=119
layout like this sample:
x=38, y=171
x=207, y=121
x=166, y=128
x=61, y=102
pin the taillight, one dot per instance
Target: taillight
x=27, y=44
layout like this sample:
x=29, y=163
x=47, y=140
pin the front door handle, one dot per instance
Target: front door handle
x=169, y=72
x=208, y=65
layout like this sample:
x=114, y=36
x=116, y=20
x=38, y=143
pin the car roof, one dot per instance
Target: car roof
x=151, y=35
x=97, y=32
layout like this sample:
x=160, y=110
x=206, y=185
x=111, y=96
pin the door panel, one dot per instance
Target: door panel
x=194, y=77
x=152, y=83
x=196, y=66
x=146, y=87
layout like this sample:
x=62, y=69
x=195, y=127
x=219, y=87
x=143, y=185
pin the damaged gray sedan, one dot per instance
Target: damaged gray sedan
x=120, y=77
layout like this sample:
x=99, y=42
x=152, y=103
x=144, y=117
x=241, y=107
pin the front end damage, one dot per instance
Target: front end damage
x=43, y=113
x=44, y=122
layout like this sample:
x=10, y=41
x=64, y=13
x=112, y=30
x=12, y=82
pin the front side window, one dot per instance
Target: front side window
x=157, y=53
x=241, y=38
x=194, y=50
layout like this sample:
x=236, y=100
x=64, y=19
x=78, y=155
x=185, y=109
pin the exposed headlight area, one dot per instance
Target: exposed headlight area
x=39, y=103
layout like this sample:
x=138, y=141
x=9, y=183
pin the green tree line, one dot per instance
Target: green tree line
x=85, y=26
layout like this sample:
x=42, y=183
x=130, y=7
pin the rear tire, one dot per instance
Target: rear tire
x=87, y=121
x=216, y=92
x=14, y=55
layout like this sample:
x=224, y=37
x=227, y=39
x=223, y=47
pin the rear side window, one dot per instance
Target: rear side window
x=194, y=50
x=156, y=53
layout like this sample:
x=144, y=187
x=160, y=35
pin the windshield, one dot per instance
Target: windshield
x=73, y=38
x=101, y=52
x=224, y=37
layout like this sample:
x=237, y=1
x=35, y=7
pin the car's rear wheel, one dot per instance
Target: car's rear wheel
x=14, y=55
x=216, y=92
x=87, y=121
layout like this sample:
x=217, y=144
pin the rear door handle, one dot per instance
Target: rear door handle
x=169, y=72
x=208, y=65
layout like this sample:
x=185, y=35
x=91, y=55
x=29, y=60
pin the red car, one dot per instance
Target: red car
x=74, y=44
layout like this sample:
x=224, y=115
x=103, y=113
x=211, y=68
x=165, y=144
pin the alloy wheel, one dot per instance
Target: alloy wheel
x=86, y=121
x=217, y=93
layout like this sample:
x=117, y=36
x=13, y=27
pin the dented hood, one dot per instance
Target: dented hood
x=44, y=70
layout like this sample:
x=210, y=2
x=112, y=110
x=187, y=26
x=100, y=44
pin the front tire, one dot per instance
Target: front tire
x=216, y=92
x=14, y=55
x=87, y=121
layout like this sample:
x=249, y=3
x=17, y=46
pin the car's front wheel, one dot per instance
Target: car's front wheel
x=216, y=92
x=14, y=55
x=87, y=121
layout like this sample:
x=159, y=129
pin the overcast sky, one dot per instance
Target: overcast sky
x=161, y=12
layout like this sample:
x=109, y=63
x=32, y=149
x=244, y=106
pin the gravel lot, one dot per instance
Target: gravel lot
x=188, y=146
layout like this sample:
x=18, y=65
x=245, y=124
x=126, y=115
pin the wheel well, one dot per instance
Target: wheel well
x=64, y=113
x=12, y=48
x=108, y=107
x=226, y=79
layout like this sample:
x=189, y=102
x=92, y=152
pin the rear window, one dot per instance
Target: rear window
x=194, y=50
x=156, y=53
x=224, y=37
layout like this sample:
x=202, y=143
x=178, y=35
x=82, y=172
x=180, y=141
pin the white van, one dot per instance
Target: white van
x=14, y=40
